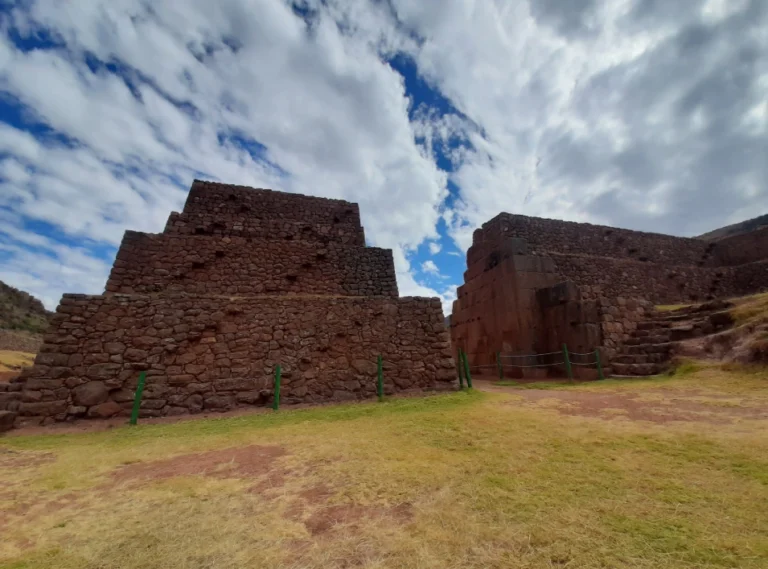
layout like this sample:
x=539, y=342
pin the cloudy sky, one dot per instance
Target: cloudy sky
x=434, y=115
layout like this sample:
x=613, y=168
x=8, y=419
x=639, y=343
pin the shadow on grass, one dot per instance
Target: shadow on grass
x=128, y=435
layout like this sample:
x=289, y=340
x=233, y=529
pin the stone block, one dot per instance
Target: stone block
x=104, y=410
x=7, y=419
x=43, y=409
x=89, y=394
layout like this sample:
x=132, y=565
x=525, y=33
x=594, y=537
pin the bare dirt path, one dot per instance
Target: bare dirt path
x=652, y=404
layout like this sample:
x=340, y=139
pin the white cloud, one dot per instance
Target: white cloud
x=430, y=267
x=581, y=108
x=641, y=114
x=331, y=115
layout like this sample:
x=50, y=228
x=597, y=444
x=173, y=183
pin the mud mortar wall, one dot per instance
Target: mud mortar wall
x=235, y=265
x=618, y=319
x=603, y=276
x=545, y=236
x=244, y=225
x=227, y=202
x=661, y=268
x=742, y=249
x=217, y=353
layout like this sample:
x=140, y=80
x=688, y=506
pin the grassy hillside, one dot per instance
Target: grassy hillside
x=736, y=228
x=21, y=311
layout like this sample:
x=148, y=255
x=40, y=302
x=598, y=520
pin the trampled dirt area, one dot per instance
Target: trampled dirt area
x=240, y=462
x=647, y=404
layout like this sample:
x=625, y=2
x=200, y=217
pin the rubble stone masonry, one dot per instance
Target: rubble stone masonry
x=621, y=262
x=516, y=297
x=241, y=281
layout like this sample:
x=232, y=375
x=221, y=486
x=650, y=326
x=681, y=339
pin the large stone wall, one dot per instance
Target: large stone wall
x=229, y=202
x=228, y=265
x=618, y=262
x=534, y=283
x=741, y=249
x=497, y=309
x=605, y=276
x=545, y=236
x=619, y=317
x=243, y=225
x=217, y=353
x=241, y=281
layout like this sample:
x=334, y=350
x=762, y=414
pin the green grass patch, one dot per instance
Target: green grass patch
x=671, y=307
x=685, y=367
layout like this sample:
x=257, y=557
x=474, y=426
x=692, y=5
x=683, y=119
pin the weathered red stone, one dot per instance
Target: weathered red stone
x=534, y=284
x=104, y=410
x=241, y=281
x=91, y=393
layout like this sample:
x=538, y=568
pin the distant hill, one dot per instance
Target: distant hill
x=736, y=229
x=21, y=311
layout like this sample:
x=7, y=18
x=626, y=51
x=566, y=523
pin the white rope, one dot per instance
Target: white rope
x=534, y=365
x=531, y=355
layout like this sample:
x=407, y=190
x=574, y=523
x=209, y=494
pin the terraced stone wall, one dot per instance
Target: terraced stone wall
x=217, y=353
x=236, y=265
x=240, y=281
x=546, y=236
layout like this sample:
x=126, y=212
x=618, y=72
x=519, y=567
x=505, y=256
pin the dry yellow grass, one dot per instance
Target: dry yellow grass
x=751, y=309
x=670, y=307
x=462, y=480
x=10, y=360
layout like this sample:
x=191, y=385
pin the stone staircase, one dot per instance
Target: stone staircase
x=649, y=349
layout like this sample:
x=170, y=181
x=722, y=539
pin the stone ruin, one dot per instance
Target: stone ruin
x=532, y=284
x=240, y=281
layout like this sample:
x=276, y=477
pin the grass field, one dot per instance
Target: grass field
x=563, y=477
x=10, y=360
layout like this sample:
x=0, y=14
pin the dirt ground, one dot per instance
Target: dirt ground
x=648, y=404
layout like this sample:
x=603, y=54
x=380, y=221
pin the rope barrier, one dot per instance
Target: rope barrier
x=584, y=364
x=531, y=355
x=535, y=365
x=578, y=354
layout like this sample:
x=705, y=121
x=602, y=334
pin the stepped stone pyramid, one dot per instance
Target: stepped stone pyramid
x=240, y=281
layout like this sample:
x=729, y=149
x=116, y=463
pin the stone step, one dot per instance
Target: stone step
x=660, y=348
x=673, y=317
x=652, y=324
x=684, y=332
x=641, y=358
x=701, y=326
x=637, y=369
x=660, y=331
x=716, y=316
x=640, y=340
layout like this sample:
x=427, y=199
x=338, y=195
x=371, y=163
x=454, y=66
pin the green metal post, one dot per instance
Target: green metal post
x=137, y=398
x=460, y=363
x=276, y=402
x=498, y=365
x=567, y=360
x=599, y=364
x=466, y=370
x=380, y=381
